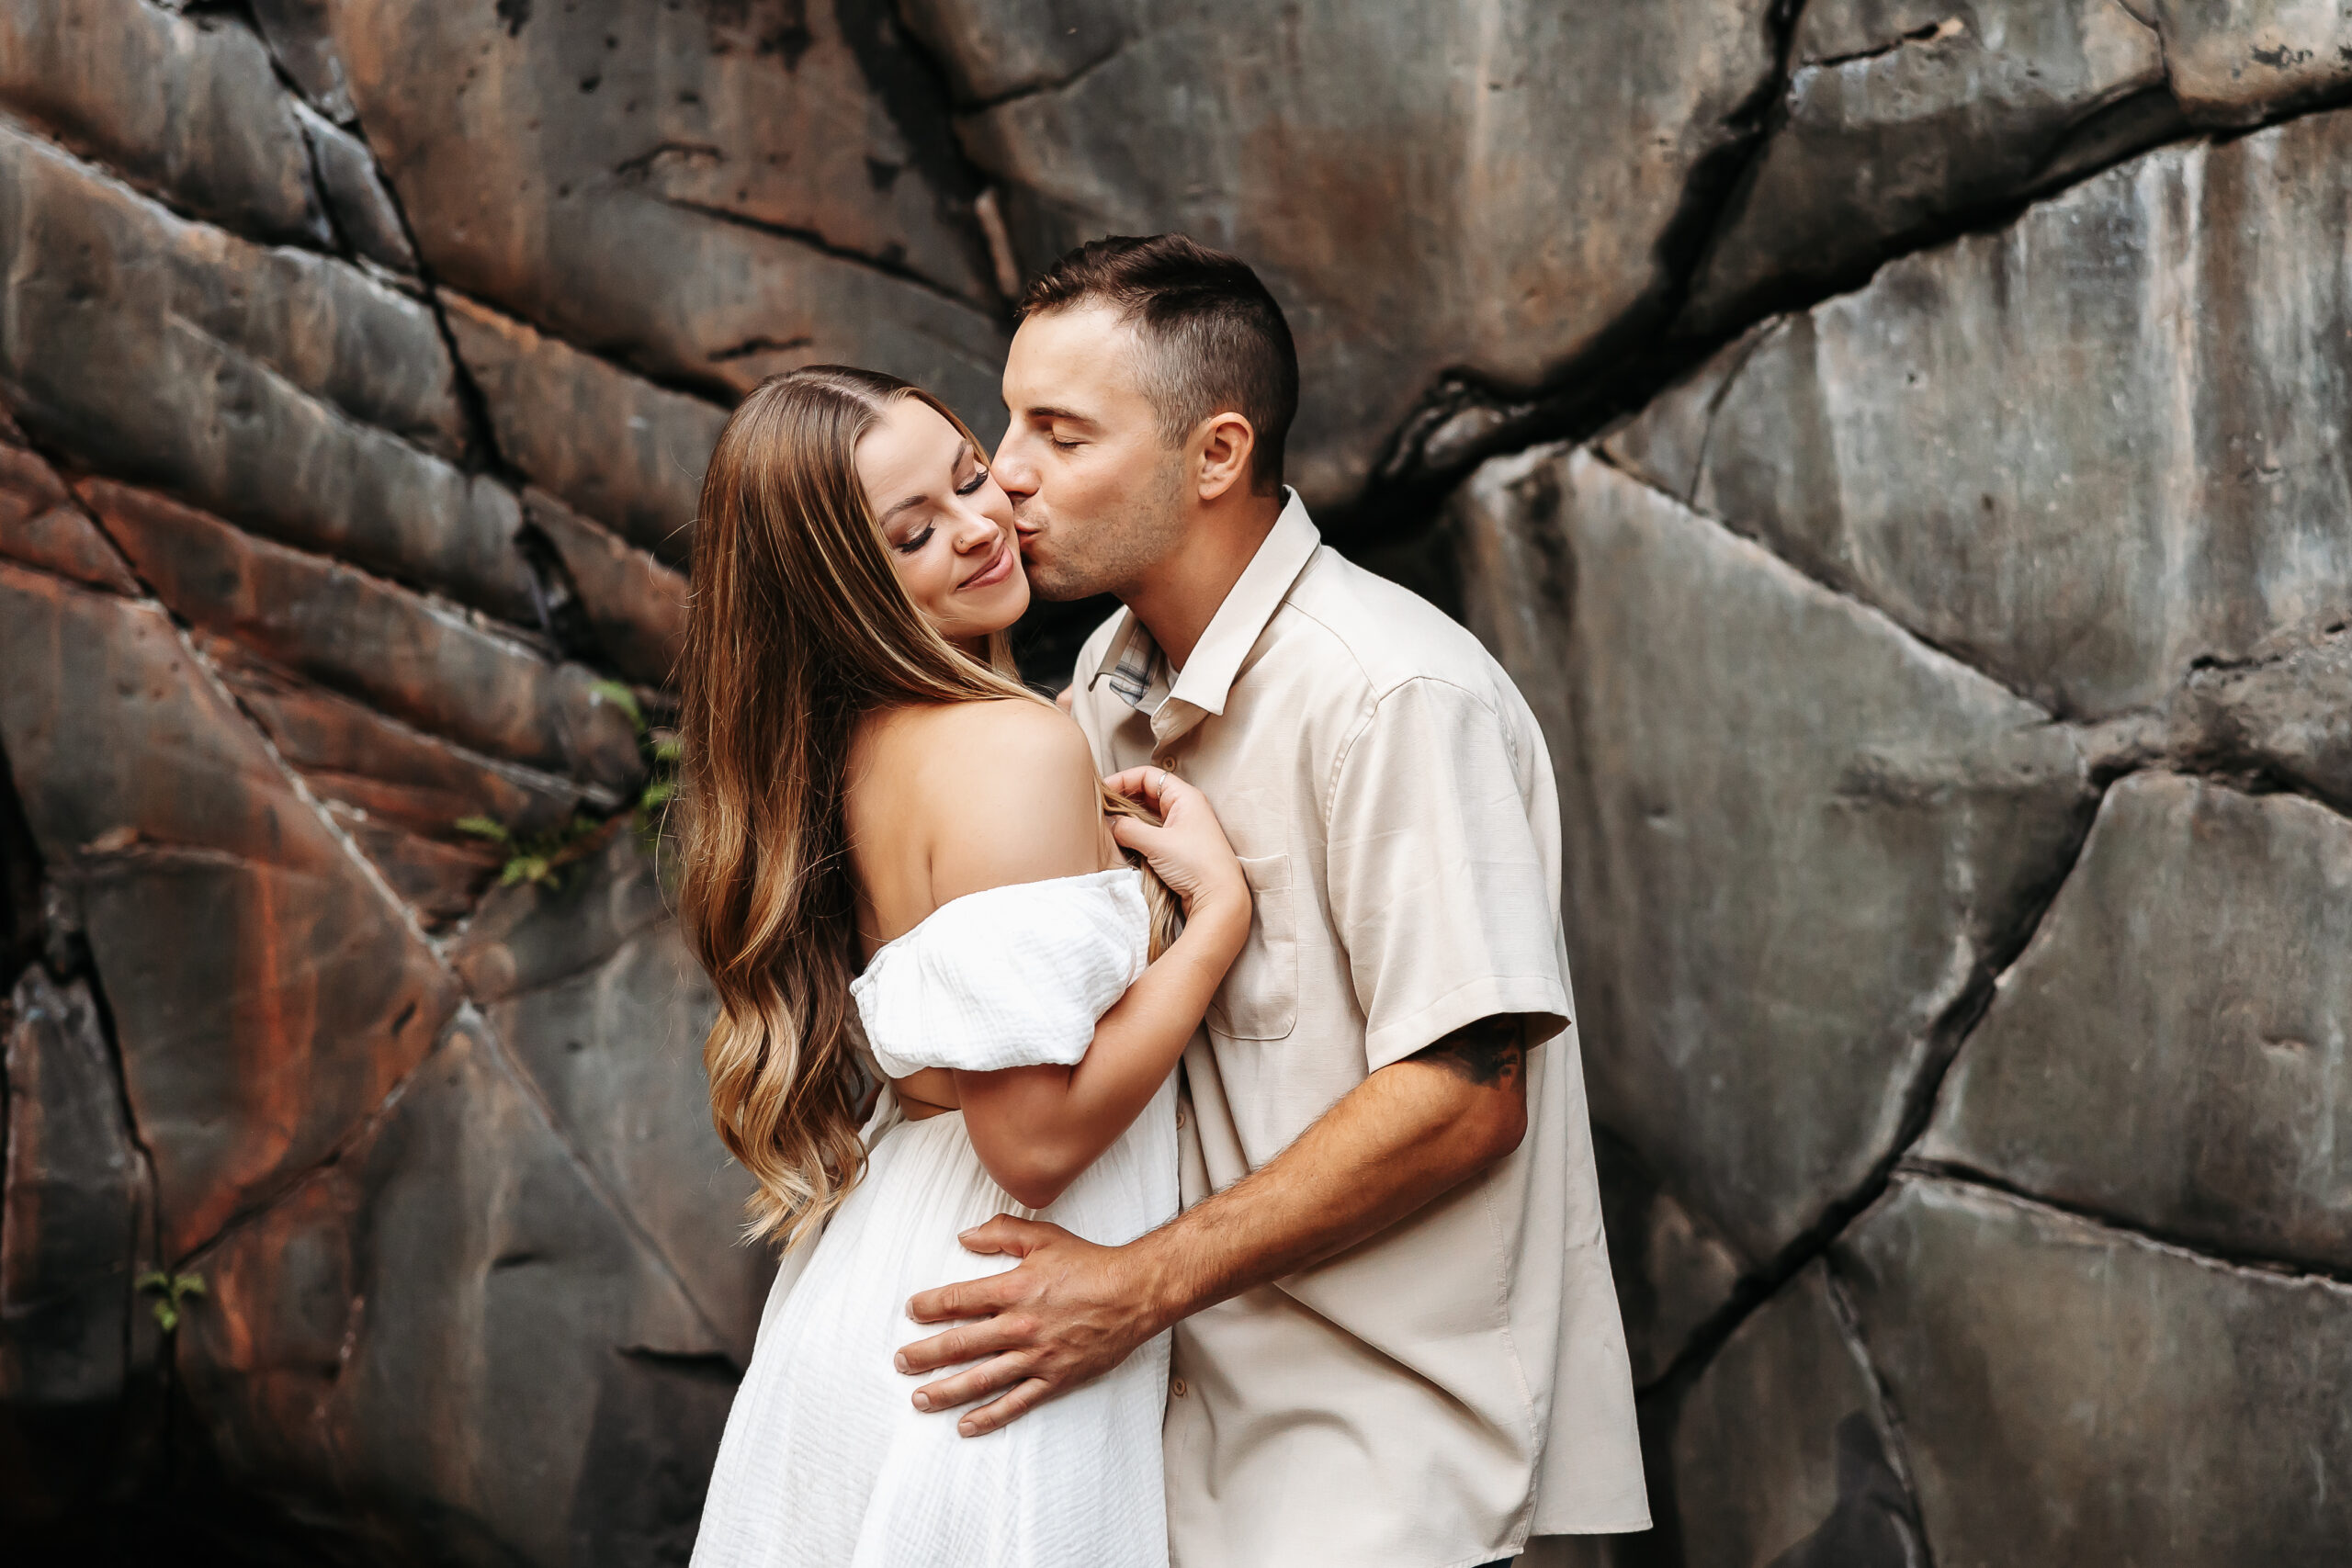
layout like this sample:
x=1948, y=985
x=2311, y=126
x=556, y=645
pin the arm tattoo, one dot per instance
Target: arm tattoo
x=1491, y=1053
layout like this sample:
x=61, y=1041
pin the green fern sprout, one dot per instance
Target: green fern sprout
x=170, y=1290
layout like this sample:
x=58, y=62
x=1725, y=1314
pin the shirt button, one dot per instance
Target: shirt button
x=1179, y=1121
x=1177, y=1388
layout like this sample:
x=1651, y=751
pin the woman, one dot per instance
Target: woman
x=885, y=827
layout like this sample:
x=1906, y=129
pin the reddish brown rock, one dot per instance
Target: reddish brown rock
x=42, y=524
x=349, y=752
x=437, y=878
x=266, y=994
x=614, y=445
x=710, y=193
x=421, y=662
x=450, y=1335
x=636, y=605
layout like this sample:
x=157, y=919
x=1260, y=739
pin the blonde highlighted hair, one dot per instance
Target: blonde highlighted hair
x=798, y=629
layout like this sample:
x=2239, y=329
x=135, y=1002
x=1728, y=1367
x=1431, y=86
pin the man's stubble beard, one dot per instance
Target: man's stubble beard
x=1116, y=551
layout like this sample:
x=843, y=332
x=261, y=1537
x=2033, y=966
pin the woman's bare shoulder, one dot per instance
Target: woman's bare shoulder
x=1003, y=791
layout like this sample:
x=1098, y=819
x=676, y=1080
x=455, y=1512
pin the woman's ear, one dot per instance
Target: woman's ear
x=1228, y=443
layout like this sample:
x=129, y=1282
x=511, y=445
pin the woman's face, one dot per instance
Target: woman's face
x=946, y=523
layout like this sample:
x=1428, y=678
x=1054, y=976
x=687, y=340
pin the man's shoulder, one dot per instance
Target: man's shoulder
x=1389, y=634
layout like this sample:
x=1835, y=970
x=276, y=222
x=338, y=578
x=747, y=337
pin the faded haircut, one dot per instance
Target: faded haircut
x=1214, y=339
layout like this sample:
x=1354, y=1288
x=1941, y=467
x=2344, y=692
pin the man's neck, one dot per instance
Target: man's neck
x=1178, y=598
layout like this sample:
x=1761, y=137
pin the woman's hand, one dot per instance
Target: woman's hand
x=1188, y=851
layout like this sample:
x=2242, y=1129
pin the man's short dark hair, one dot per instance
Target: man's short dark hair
x=1217, y=339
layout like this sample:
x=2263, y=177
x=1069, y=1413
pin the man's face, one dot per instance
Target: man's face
x=1096, y=496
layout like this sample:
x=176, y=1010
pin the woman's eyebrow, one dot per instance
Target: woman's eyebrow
x=898, y=506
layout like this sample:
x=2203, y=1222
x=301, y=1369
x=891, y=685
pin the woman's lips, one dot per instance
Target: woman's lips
x=999, y=566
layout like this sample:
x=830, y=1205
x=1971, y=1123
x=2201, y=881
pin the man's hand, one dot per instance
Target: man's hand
x=1070, y=1312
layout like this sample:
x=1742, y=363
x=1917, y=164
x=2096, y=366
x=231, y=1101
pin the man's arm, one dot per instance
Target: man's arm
x=1071, y=1310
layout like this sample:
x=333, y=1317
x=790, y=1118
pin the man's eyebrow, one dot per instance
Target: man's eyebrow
x=1046, y=410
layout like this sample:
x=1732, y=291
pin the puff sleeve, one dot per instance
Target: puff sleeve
x=1014, y=976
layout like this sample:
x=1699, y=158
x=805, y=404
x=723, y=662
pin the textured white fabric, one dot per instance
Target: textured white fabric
x=826, y=1462
x=1014, y=976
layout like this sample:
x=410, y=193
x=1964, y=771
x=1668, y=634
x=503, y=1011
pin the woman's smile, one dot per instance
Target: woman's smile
x=1000, y=566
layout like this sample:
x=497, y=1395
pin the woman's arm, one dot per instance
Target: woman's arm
x=1027, y=810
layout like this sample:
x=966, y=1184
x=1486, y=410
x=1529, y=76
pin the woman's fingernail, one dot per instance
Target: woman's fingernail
x=967, y=1428
x=923, y=1402
x=899, y=1361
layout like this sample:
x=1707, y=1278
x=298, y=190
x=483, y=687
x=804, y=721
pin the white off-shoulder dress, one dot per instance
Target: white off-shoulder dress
x=826, y=1462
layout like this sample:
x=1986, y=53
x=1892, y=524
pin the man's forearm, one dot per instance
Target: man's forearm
x=1405, y=1136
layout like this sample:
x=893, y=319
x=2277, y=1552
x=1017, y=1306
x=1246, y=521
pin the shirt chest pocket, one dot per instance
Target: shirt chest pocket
x=1260, y=997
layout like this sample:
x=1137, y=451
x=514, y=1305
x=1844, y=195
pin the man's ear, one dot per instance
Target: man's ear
x=1227, y=444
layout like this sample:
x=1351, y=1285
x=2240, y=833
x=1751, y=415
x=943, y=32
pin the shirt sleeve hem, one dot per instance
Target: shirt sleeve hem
x=1489, y=996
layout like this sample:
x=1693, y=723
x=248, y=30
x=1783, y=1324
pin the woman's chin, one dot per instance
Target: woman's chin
x=994, y=609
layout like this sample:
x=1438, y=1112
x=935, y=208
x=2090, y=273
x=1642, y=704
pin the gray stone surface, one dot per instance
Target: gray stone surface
x=185, y=108
x=608, y=443
x=1795, y=838
x=1672, y=1271
x=75, y=1227
x=2071, y=1393
x=1782, y=1452
x=449, y=1339
x=360, y=208
x=1439, y=239
x=264, y=992
x=635, y=605
x=614, y=1043
x=302, y=40
x=2239, y=61
x=289, y=392
x=710, y=193
x=2081, y=453
x=1902, y=115
x=2173, y=1047
x=2286, y=713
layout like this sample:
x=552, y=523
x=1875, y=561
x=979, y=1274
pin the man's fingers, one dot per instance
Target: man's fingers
x=971, y=1298
x=984, y=1337
x=992, y=1376
x=1009, y=1235
x=1025, y=1396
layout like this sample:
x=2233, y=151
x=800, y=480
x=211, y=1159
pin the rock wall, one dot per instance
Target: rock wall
x=1897, y=445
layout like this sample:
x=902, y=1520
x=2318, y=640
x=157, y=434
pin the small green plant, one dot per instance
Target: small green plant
x=661, y=752
x=535, y=858
x=169, y=1290
x=539, y=858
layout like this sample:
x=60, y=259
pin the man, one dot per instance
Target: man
x=1396, y=1344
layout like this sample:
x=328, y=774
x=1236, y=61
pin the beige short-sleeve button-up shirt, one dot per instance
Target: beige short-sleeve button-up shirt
x=1436, y=1395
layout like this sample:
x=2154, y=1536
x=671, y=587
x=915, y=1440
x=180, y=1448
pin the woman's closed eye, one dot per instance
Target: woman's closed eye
x=972, y=486
x=910, y=546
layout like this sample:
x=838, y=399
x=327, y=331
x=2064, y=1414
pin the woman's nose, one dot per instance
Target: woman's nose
x=976, y=530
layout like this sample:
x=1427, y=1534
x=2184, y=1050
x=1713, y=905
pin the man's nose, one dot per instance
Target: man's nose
x=1015, y=473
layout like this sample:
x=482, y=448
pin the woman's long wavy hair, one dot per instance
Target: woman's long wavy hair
x=798, y=629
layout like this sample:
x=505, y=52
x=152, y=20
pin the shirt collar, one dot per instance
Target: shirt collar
x=1206, y=680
